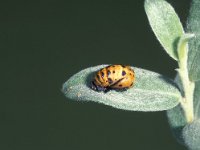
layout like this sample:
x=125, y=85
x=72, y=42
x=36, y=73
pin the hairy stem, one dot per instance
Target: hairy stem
x=187, y=85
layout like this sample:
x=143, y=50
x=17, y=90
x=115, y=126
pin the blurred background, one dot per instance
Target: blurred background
x=43, y=43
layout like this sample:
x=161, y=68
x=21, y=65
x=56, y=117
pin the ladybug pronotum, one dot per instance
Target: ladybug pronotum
x=113, y=77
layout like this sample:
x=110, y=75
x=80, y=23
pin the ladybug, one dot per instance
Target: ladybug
x=113, y=77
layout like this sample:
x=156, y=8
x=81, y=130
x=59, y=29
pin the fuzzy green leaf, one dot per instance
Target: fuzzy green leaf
x=186, y=134
x=177, y=121
x=191, y=135
x=151, y=92
x=165, y=23
x=193, y=26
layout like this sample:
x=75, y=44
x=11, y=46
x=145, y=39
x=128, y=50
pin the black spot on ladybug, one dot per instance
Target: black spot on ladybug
x=110, y=80
x=123, y=73
x=123, y=66
x=102, y=74
x=113, y=71
x=108, y=73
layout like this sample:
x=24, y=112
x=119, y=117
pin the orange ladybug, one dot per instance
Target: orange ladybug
x=113, y=77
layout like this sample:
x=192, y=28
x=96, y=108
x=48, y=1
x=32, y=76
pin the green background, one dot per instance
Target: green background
x=43, y=43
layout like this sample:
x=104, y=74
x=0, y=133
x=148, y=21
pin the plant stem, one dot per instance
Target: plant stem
x=187, y=85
